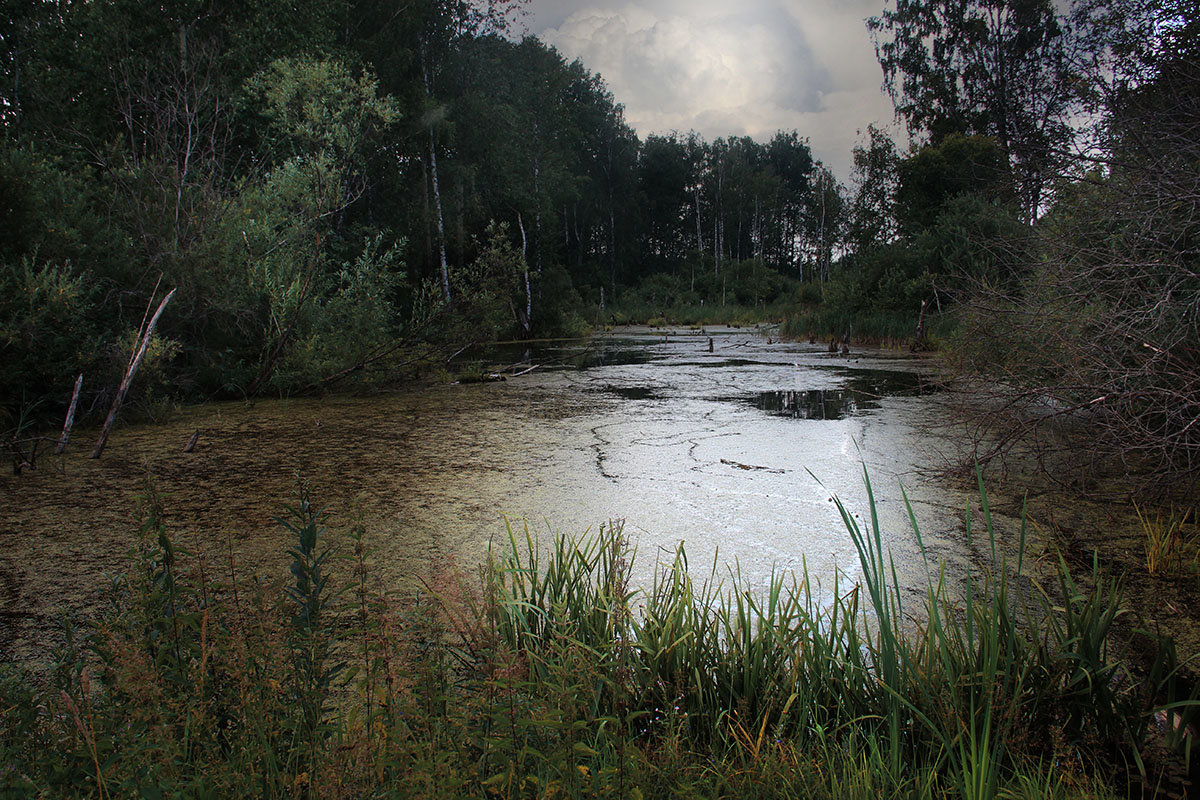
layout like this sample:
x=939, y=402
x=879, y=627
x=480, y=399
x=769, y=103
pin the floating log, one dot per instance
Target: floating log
x=740, y=465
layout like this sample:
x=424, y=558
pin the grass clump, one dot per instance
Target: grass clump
x=552, y=677
x=1163, y=538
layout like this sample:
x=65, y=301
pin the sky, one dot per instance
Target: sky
x=743, y=68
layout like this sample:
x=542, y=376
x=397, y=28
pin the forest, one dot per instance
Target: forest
x=304, y=204
x=339, y=191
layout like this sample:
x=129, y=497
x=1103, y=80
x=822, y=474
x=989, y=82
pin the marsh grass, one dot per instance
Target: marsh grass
x=1163, y=538
x=891, y=329
x=550, y=676
x=714, y=314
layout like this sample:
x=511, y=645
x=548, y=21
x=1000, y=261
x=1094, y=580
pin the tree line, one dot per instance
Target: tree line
x=322, y=181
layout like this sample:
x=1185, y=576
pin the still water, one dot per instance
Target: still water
x=734, y=451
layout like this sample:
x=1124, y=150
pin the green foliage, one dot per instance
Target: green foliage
x=937, y=174
x=355, y=315
x=46, y=329
x=313, y=106
x=312, y=604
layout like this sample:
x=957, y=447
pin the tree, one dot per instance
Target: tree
x=825, y=218
x=936, y=174
x=999, y=68
x=664, y=179
x=320, y=119
x=871, y=217
x=1097, y=346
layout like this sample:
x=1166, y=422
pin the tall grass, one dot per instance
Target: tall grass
x=694, y=315
x=1163, y=537
x=886, y=328
x=552, y=677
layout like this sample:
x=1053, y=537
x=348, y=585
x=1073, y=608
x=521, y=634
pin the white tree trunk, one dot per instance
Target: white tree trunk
x=136, y=362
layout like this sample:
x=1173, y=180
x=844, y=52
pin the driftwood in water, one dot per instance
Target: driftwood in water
x=740, y=465
x=130, y=371
x=191, y=445
x=70, y=420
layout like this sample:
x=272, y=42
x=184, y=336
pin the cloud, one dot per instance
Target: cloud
x=723, y=69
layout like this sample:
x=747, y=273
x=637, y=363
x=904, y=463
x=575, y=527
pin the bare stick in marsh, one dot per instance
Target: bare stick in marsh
x=134, y=363
x=70, y=420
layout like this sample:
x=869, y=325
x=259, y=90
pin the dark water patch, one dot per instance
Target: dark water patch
x=860, y=393
x=608, y=357
x=812, y=404
x=727, y=362
x=878, y=383
x=632, y=392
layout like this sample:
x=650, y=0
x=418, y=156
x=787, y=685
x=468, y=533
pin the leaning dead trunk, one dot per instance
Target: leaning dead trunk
x=70, y=420
x=130, y=371
x=527, y=321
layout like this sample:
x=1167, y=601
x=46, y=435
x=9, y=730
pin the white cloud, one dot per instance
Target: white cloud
x=723, y=69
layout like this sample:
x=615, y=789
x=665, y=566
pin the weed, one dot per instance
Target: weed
x=1163, y=538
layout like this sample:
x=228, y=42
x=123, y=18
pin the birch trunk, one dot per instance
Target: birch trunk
x=527, y=322
x=437, y=193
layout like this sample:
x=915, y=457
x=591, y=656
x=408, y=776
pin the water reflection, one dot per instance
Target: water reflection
x=813, y=404
x=860, y=392
x=632, y=392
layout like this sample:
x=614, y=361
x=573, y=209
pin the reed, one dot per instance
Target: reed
x=552, y=676
x=883, y=328
x=1163, y=540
